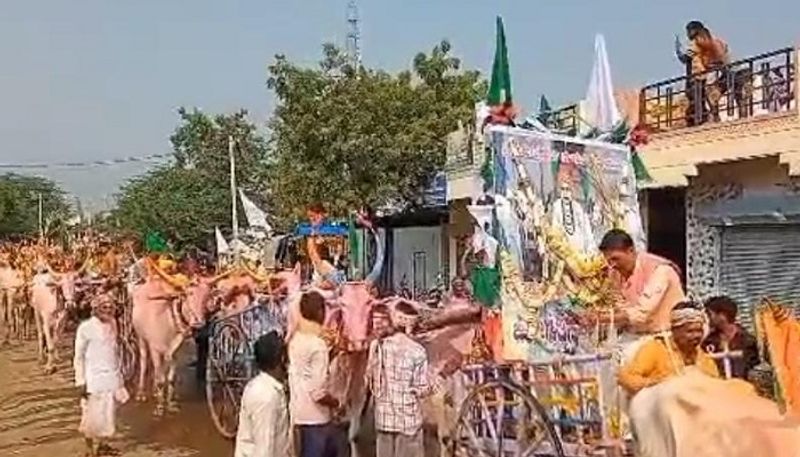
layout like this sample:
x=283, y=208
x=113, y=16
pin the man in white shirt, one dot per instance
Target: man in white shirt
x=97, y=376
x=311, y=404
x=264, y=414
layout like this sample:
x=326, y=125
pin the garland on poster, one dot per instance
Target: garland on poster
x=554, y=199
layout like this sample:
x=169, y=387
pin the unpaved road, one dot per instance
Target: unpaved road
x=39, y=415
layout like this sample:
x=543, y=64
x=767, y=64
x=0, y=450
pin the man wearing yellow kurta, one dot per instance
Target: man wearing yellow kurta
x=681, y=408
x=661, y=358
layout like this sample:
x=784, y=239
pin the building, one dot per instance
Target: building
x=724, y=154
x=733, y=162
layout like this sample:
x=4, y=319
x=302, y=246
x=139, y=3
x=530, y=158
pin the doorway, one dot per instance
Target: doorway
x=666, y=224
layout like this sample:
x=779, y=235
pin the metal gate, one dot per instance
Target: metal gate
x=760, y=261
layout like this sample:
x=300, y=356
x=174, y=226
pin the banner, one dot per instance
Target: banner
x=555, y=196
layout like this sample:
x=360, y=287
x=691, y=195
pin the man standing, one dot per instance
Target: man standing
x=264, y=415
x=726, y=335
x=650, y=285
x=311, y=404
x=706, y=53
x=397, y=372
x=97, y=376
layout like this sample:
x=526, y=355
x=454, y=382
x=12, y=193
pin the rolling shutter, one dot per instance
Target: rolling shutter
x=760, y=261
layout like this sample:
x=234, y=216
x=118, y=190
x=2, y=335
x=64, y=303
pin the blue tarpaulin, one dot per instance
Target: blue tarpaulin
x=326, y=229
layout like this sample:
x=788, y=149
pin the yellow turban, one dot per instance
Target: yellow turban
x=165, y=264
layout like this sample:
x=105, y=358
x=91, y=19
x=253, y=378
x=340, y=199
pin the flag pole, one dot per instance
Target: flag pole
x=41, y=224
x=234, y=215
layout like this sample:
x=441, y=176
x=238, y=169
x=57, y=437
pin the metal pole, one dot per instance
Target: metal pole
x=41, y=222
x=234, y=215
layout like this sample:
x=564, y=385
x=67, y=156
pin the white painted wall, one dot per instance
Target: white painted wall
x=420, y=246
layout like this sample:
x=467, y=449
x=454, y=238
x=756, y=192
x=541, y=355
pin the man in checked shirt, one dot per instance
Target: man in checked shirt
x=399, y=378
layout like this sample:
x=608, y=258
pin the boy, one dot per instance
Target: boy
x=97, y=376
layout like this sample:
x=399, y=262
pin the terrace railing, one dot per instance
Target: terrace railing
x=565, y=119
x=756, y=86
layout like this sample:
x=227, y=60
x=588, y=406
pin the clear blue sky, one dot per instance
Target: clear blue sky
x=99, y=79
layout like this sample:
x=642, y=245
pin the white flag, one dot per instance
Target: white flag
x=601, y=108
x=222, y=245
x=255, y=217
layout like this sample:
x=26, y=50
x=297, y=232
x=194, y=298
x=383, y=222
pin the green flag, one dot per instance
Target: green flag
x=500, y=86
x=544, y=111
x=154, y=242
x=355, y=248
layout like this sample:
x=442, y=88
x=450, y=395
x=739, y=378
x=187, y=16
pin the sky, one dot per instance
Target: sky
x=102, y=79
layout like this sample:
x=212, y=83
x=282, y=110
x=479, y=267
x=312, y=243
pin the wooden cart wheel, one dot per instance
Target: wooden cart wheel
x=226, y=375
x=501, y=419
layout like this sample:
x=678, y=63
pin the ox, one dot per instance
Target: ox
x=161, y=331
x=49, y=312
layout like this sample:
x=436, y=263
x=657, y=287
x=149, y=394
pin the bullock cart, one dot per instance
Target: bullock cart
x=549, y=408
x=552, y=408
x=230, y=364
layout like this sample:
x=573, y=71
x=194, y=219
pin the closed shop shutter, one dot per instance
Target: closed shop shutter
x=760, y=261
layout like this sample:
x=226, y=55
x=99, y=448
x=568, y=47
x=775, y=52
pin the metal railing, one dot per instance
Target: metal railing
x=755, y=86
x=564, y=120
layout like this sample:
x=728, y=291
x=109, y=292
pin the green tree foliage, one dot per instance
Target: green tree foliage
x=19, y=205
x=186, y=199
x=348, y=137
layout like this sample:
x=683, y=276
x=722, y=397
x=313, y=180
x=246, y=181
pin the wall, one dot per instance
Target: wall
x=757, y=191
x=420, y=246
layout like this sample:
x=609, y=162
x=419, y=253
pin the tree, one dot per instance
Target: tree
x=19, y=205
x=348, y=137
x=186, y=199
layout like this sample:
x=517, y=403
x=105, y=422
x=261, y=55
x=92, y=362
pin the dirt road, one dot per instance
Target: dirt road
x=39, y=415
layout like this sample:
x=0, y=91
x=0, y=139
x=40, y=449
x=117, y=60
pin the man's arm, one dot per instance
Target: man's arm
x=648, y=301
x=421, y=376
x=637, y=373
x=750, y=352
x=245, y=433
x=266, y=417
x=79, y=360
x=318, y=387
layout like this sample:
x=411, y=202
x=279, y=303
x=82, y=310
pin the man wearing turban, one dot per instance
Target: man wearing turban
x=681, y=408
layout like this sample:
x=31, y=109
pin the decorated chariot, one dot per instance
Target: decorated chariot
x=550, y=388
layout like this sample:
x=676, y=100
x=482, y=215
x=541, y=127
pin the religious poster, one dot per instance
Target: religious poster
x=555, y=198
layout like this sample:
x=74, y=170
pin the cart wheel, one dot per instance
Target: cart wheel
x=226, y=375
x=501, y=419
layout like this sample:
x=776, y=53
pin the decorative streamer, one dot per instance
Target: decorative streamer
x=87, y=164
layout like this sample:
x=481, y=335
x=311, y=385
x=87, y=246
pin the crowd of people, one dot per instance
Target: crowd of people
x=288, y=406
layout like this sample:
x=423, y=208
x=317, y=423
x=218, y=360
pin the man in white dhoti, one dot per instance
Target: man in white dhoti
x=98, y=377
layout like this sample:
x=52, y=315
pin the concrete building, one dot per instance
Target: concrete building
x=724, y=154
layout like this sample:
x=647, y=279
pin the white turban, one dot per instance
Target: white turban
x=684, y=316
